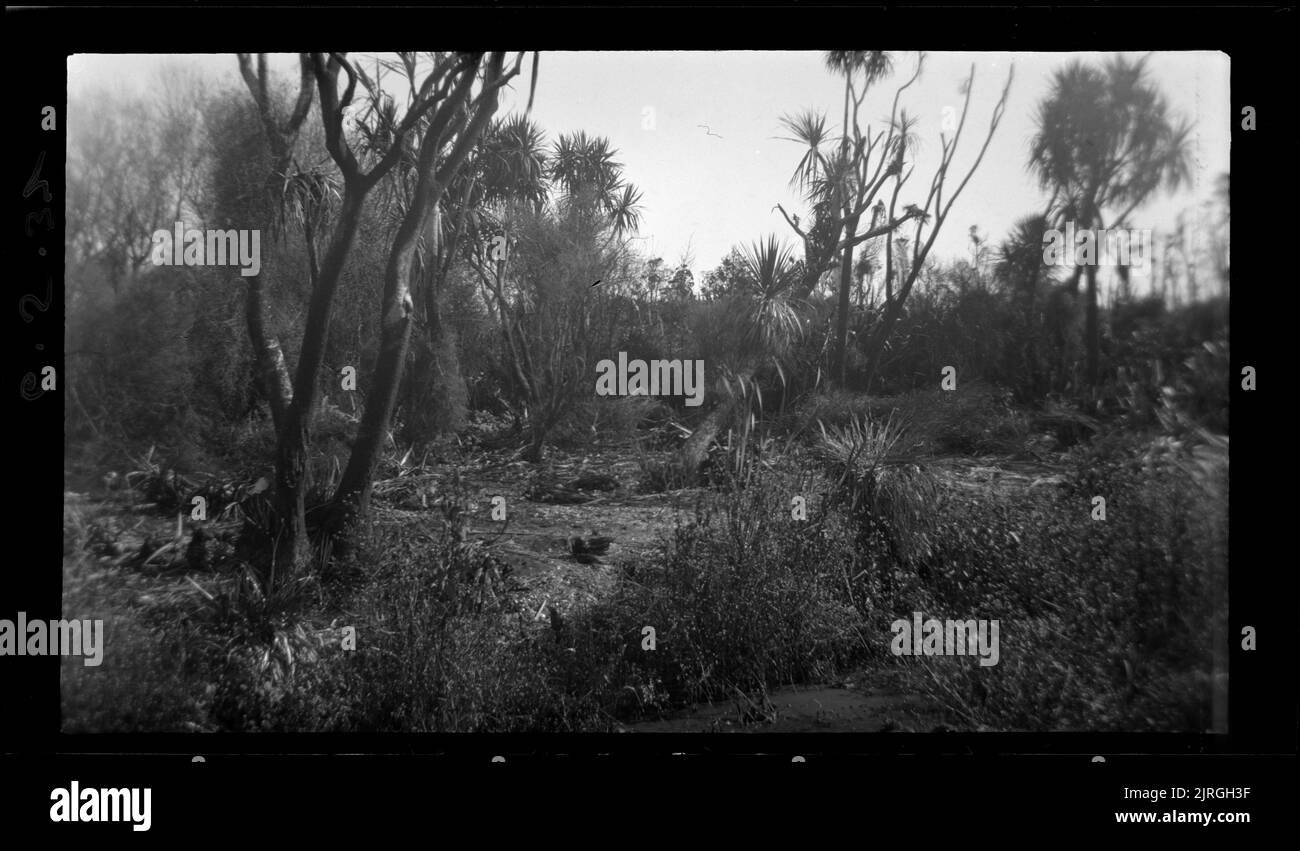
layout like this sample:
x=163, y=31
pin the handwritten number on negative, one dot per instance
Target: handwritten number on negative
x=34, y=182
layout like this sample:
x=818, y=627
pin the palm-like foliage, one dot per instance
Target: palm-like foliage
x=513, y=165
x=508, y=167
x=767, y=322
x=836, y=181
x=829, y=178
x=1020, y=255
x=862, y=445
x=861, y=69
x=513, y=162
x=874, y=65
x=581, y=164
x=771, y=318
x=307, y=196
x=1106, y=138
x=589, y=179
x=906, y=141
x=825, y=179
x=625, y=210
x=808, y=129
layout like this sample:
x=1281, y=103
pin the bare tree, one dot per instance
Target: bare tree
x=131, y=168
x=843, y=185
x=457, y=117
x=924, y=235
x=281, y=137
x=441, y=123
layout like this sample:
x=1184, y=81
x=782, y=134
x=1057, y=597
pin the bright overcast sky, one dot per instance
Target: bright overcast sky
x=710, y=193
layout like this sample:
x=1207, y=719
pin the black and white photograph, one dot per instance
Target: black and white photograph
x=645, y=391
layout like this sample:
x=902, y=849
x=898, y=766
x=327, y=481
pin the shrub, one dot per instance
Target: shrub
x=1105, y=624
x=750, y=598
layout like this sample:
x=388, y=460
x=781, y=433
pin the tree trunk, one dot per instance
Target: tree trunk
x=536, y=443
x=842, y=318
x=435, y=398
x=1091, y=331
x=291, y=479
x=434, y=402
x=272, y=371
x=876, y=347
x=692, y=455
x=893, y=310
x=696, y=449
x=352, y=498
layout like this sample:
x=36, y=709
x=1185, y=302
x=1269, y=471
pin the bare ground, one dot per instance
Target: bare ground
x=543, y=573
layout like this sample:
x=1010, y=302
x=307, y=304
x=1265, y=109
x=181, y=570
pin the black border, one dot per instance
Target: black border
x=1263, y=705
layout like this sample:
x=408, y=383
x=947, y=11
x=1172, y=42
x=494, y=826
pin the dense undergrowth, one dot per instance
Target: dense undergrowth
x=827, y=392
x=1105, y=624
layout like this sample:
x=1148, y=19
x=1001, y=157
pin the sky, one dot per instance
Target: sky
x=703, y=193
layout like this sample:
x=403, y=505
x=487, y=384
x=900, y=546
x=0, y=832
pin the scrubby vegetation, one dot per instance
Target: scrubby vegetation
x=1105, y=624
x=833, y=485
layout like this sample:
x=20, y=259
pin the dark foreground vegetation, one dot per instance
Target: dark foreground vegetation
x=1105, y=625
x=422, y=611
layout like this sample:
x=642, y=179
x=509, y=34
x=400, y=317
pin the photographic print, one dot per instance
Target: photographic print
x=734, y=391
